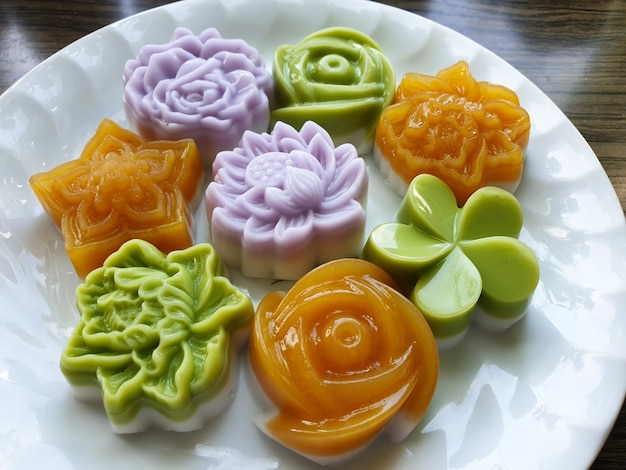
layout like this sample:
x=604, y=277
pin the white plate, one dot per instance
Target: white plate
x=542, y=395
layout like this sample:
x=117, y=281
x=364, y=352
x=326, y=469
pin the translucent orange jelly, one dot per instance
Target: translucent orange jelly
x=340, y=355
x=120, y=188
x=468, y=133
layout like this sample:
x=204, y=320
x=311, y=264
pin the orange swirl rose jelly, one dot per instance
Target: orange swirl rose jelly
x=342, y=356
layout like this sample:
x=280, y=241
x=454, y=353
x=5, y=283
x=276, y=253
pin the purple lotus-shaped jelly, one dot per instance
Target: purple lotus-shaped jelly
x=202, y=87
x=282, y=203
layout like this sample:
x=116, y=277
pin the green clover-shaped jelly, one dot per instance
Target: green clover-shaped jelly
x=458, y=263
x=156, y=335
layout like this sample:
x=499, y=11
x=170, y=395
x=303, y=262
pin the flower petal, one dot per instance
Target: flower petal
x=294, y=232
x=447, y=293
x=458, y=76
x=120, y=386
x=304, y=187
x=509, y=272
x=350, y=182
x=490, y=211
x=430, y=206
x=204, y=266
x=171, y=388
x=135, y=255
x=324, y=152
x=80, y=361
x=404, y=251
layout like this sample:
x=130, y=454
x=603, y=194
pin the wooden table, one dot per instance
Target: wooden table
x=550, y=42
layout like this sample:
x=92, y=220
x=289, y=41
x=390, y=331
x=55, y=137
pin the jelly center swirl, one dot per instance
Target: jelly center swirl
x=339, y=355
x=332, y=68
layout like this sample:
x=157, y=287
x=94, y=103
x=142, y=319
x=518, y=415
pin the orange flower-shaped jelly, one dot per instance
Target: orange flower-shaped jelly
x=120, y=188
x=470, y=134
x=342, y=356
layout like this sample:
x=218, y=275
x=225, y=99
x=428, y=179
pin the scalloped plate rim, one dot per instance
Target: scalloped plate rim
x=426, y=445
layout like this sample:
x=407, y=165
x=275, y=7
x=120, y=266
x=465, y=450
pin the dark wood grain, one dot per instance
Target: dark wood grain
x=575, y=51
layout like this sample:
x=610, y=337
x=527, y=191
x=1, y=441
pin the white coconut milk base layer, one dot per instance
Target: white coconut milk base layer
x=148, y=417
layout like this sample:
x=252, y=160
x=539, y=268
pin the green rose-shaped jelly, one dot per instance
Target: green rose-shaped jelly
x=458, y=264
x=337, y=77
x=158, y=335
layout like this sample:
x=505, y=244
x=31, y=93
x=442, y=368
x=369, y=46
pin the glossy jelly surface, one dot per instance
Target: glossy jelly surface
x=156, y=336
x=337, y=77
x=450, y=260
x=468, y=133
x=121, y=187
x=204, y=87
x=282, y=203
x=342, y=356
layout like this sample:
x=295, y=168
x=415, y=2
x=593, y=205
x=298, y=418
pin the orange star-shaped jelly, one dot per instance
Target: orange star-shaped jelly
x=121, y=188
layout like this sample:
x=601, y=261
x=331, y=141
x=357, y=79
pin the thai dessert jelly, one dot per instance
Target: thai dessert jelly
x=158, y=337
x=283, y=202
x=341, y=357
x=122, y=187
x=337, y=77
x=468, y=133
x=458, y=264
x=204, y=87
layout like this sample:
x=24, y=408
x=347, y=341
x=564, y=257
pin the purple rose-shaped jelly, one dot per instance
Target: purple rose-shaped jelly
x=202, y=87
x=281, y=203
